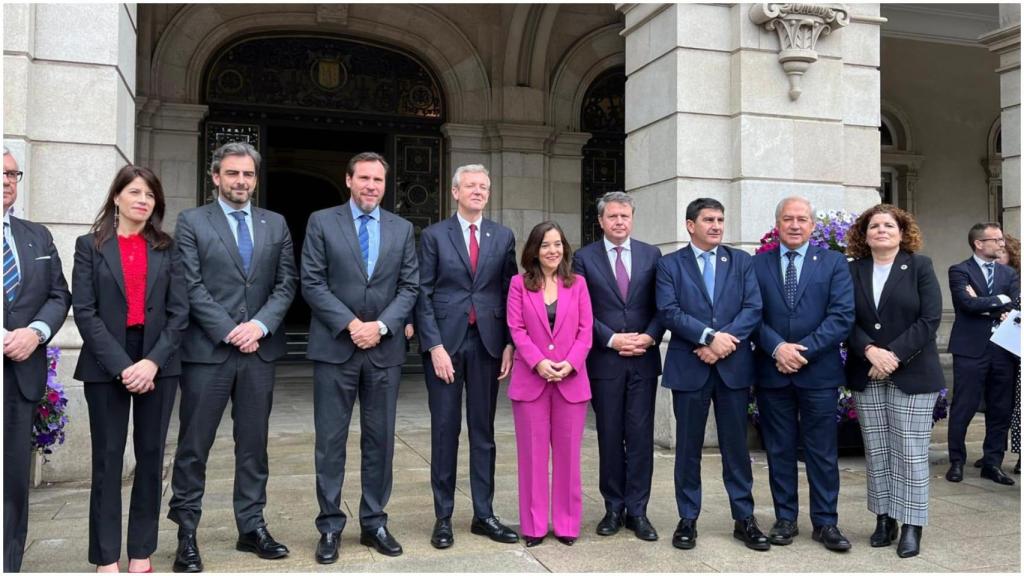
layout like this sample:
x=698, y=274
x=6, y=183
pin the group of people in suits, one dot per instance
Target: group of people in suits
x=203, y=312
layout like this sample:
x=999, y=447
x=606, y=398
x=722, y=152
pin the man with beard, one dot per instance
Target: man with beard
x=240, y=272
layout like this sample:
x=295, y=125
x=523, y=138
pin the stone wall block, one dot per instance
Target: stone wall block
x=16, y=74
x=64, y=238
x=704, y=145
x=860, y=45
x=58, y=88
x=860, y=95
x=817, y=147
x=1009, y=88
x=763, y=87
x=862, y=156
x=704, y=82
x=652, y=39
x=125, y=121
x=19, y=28
x=77, y=174
x=704, y=26
x=1011, y=131
x=765, y=147
x=756, y=201
x=87, y=33
x=126, y=53
x=522, y=104
x=859, y=198
x=1011, y=185
x=651, y=92
x=650, y=154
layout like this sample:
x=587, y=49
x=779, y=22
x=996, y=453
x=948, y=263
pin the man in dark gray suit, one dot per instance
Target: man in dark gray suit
x=240, y=272
x=36, y=301
x=361, y=279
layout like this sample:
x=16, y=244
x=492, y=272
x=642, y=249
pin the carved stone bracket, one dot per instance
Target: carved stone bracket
x=799, y=26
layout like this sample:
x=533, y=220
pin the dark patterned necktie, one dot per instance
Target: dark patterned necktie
x=790, y=286
x=364, y=240
x=474, y=258
x=244, y=240
x=621, y=275
x=990, y=275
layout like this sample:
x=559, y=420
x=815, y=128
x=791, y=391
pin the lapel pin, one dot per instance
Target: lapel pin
x=262, y=221
x=814, y=257
x=904, y=267
x=488, y=234
x=724, y=259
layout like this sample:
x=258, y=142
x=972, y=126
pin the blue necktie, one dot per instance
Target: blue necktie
x=11, y=277
x=790, y=287
x=990, y=275
x=709, y=275
x=364, y=241
x=244, y=240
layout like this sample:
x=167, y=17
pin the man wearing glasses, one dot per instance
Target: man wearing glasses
x=36, y=302
x=982, y=289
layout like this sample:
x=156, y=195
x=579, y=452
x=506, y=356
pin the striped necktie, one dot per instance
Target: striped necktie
x=12, y=279
x=990, y=275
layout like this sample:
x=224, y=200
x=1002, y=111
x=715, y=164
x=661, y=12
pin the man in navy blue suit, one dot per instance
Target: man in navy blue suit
x=707, y=296
x=466, y=264
x=808, y=311
x=979, y=366
x=623, y=367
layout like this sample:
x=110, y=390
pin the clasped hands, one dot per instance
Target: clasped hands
x=553, y=371
x=138, y=378
x=788, y=357
x=365, y=335
x=246, y=336
x=20, y=343
x=632, y=343
x=883, y=362
x=721, y=346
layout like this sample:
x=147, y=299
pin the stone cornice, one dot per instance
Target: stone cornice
x=1002, y=40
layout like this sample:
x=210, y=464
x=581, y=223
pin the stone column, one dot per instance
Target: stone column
x=518, y=165
x=69, y=115
x=564, y=181
x=1006, y=43
x=721, y=104
x=169, y=141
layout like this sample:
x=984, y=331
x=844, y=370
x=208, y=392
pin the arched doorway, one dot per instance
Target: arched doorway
x=603, y=115
x=309, y=103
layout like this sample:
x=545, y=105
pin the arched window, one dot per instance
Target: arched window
x=603, y=115
x=899, y=162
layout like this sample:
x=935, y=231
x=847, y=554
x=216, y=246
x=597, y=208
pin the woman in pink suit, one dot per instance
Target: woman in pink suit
x=550, y=320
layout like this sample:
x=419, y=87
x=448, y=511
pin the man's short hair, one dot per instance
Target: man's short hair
x=234, y=149
x=782, y=204
x=468, y=168
x=365, y=157
x=978, y=230
x=618, y=197
x=693, y=208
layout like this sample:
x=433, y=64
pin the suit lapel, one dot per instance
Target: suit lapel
x=689, y=261
x=978, y=276
x=541, y=310
x=899, y=271
x=220, y=225
x=605, y=266
x=864, y=275
x=385, y=247
x=23, y=243
x=486, y=242
x=459, y=243
x=722, y=269
x=775, y=255
x=154, y=260
x=347, y=229
x=259, y=240
x=561, y=309
x=807, y=271
x=111, y=252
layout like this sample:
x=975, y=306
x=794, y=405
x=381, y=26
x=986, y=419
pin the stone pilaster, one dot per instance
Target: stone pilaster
x=713, y=113
x=1006, y=43
x=564, y=181
x=69, y=113
x=169, y=141
x=518, y=165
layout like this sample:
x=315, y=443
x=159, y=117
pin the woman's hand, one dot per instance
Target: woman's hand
x=138, y=378
x=546, y=370
x=882, y=360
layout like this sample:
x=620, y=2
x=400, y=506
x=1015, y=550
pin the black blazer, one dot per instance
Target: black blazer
x=101, y=310
x=43, y=295
x=905, y=322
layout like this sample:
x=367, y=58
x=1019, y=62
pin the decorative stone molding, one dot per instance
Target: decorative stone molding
x=336, y=13
x=799, y=26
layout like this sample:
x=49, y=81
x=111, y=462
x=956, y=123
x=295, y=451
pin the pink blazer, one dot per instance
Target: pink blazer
x=534, y=340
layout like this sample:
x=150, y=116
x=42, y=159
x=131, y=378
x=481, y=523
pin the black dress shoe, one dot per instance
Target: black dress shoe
x=442, y=536
x=494, y=530
x=978, y=463
x=910, y=541
x=610, y=524
x=567, y=540
x=381, y=540
x=685, y=536
x=885, y=532
x=327, y=547
x=187, y=558
x=830, y=536
x=955, y=472
x=641, y=526
x=995, y=474
x=783, y=532
x=532, y=541
x=747, y=531
x=262, y=544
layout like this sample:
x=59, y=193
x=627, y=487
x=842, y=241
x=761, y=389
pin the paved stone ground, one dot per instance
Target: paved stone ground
x=975, y=525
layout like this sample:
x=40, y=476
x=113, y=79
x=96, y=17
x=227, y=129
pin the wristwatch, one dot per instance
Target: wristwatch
x=709, y=337
x=39, y=334
x=383, y=328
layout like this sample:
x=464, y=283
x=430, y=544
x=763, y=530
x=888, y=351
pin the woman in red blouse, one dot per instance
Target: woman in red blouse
x=131, y=308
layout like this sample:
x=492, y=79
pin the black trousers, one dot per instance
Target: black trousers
x=992, y=376
x=335, y=389
x=248, y=381
x=109, y=407
x=19, y=413
x=624, y=411
x=477, y=371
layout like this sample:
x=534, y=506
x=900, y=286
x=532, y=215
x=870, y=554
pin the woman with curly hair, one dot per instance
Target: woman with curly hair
x=893, y=368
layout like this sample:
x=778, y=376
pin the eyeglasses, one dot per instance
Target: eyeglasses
x=13, y=175
x=992, y=239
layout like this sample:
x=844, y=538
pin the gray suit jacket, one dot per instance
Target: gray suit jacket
x=220, y=294
x=335, y=285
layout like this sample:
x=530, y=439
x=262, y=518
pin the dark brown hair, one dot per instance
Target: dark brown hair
x=365, y=157
x=1012, y=247
x=105, y=226
x=856, y=238
x=533, y=275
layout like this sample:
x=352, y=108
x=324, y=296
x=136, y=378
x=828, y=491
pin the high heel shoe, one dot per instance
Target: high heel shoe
x=567, y=540
x=885, y=532
x=910, y=541
x=532, y=541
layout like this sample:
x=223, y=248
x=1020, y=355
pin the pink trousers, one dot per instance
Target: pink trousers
x=549, y=425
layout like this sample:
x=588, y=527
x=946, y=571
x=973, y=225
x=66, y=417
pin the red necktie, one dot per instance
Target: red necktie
x=474, y=257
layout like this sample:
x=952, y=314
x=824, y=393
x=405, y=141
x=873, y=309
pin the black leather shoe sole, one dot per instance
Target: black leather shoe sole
x=327, y=559
x=780, y=540
x=759, y=546
x=833, y=546
x=370, y=540
x=684, y=544
x=479, y=531
x=187, y=568
x=441, y=543
x=531, y=541
x=265, y=554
